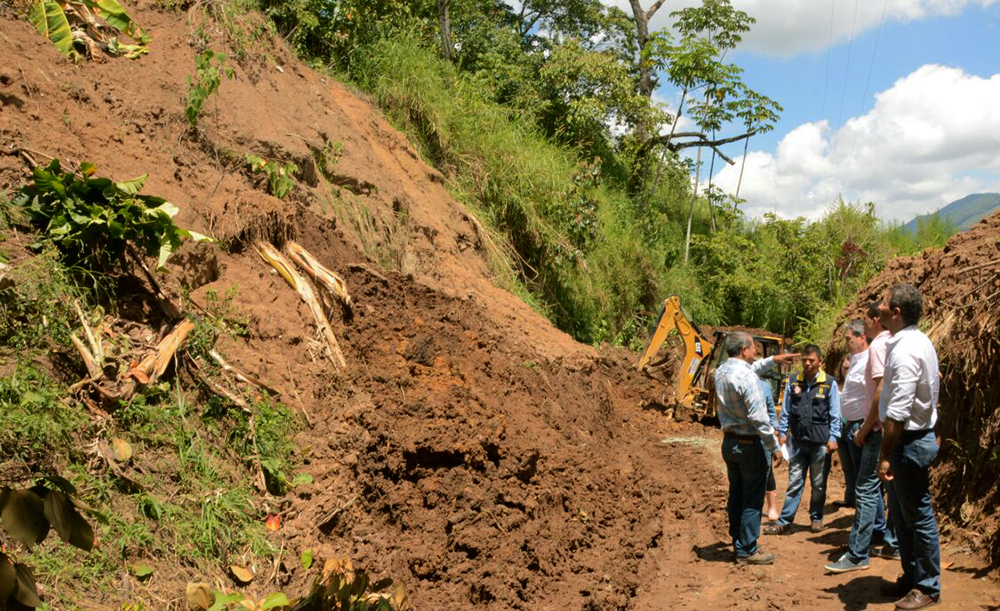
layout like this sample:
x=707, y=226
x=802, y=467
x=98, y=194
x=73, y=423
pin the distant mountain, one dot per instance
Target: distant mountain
x=964, y=212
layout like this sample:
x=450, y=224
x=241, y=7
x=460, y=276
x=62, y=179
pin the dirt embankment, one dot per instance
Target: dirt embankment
x=469, y=449
x=961, y=289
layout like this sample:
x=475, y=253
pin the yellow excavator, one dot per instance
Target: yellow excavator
x=694, y=386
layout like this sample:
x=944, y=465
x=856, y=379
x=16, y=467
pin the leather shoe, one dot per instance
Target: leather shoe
x=896, y=588
x=817, y=526
x=756, y=559
x=774, y=529
x=916, y=599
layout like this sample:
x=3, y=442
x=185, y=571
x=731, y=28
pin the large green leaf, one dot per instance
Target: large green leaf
x=115, y=14
x=23, y=517
x=26, y=592
x=49, y=19
x=68, y=522
x=8, y=578
x=132, y=187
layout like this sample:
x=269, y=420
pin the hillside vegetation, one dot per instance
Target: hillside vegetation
x=550, y=139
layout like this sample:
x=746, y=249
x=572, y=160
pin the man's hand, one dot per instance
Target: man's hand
x=782, y=439
x=884, y=471
x=859, y=437
x=831, y=446
x=776, y=459
x=785, y=359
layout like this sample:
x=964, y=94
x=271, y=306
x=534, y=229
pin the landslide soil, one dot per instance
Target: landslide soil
x=469, y=450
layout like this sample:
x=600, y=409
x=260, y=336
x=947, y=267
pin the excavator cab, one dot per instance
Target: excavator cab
x=692, y=378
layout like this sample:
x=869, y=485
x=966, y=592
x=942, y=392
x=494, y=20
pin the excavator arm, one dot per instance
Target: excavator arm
x=696, y=348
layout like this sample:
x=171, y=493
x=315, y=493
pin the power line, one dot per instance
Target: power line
x=829, y=43
x=871, y=66
x=847, y=69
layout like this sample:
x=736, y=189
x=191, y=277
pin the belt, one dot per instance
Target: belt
x=911, y=435
x=855, y=421
x=743, y=438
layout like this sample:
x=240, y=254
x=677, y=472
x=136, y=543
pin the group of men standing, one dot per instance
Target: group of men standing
x=882, y=424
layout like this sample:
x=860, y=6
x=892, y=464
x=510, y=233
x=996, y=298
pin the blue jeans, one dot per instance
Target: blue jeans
x=857, y=456
x=911, y=511
x=869, y=514
x=746, y=464
x=849, y=460
x=812, y=456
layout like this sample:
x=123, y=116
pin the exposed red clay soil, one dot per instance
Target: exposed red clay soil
x=469, y=450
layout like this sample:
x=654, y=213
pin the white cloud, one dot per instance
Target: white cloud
x=931, y=138
x=788, y=27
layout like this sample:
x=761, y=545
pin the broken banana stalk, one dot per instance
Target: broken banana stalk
x=320, y=274
x=155, y=364
x=270, y=254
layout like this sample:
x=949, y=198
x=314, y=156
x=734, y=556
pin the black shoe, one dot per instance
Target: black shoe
x=757, y=559
x=895, y=589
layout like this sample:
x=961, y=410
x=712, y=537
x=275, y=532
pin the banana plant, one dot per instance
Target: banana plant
x=67, y=21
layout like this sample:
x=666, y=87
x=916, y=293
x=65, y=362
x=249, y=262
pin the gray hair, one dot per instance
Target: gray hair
x=907, y=298
x=856, y=327
x=736, y=342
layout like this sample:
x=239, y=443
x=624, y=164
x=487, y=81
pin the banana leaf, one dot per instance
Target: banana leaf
x=118, y=18
x=49, y=19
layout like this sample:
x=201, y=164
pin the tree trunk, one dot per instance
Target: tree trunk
x=445, y=21
x=694, y=198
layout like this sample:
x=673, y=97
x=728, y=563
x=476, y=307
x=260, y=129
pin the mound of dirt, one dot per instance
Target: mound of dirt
x=961, y=290
x=469, y=449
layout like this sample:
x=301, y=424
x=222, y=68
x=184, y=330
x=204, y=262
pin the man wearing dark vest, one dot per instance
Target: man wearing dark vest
x=811, y=417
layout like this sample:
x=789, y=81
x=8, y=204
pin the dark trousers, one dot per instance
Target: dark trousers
x=911, y=511
x=870, y=511
x=746, y=465
x=849, y=459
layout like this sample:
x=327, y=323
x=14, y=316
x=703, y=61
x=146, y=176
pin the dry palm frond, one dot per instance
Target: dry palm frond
x=152, y=367
x=270, y=254
x=323, y=277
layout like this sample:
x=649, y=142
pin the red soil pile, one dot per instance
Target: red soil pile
x=469, y=450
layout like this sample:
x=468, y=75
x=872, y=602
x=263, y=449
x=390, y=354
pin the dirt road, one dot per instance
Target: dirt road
x=694, y=570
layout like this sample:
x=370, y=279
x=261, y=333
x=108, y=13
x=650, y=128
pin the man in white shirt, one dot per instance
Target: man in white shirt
x=870, y=524
x=908, y=412
x=853, y=405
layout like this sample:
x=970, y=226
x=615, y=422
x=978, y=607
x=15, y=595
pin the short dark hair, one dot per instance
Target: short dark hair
x=873, y=311
x=812, y=349
x=736, y=341
x=856, y=328
x=910, y=302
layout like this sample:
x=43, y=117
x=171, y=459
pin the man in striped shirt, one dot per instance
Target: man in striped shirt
x=748, y=437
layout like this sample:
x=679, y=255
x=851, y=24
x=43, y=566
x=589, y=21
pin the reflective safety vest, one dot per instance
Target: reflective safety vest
x=809, y=408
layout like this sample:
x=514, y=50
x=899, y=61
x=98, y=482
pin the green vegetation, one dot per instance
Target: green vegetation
x=91, y=221
x=65, y=22
x=586, y=222
x=210, y=67
x=280, y=176
x=162, y=469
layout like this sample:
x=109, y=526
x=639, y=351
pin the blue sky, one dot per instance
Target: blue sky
x=925, y=132
x=968, y=41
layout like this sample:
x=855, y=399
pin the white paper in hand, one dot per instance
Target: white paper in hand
x=786, y=449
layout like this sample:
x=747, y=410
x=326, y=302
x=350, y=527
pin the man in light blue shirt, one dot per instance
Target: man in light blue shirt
x=748, y=437
x=811, y=415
